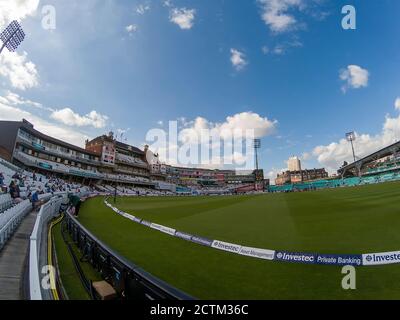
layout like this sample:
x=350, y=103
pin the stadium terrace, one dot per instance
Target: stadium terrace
x=106, y=161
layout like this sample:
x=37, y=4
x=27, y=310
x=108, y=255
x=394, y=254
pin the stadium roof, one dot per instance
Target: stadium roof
x=29, y=127
x=129, y=147
x=395, y=147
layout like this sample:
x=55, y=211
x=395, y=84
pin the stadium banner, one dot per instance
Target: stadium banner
x=267, y=254
x=145, y=223
x=183, y=235
x=163, y=229
x=203, y=241
x=125, y=215
x=295, y=257
x=257, y=253
x=132, y=218
x=374, y=259
x=136, y=219
x=339, y=260
x=226, y=246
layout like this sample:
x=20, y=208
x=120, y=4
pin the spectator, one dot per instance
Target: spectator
x=14, y=192
x=16, y=176
x=75, y=202
x=36, y=203
x=17, y=184
x=12, y=189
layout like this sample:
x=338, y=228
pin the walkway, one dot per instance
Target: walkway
x=14, y=261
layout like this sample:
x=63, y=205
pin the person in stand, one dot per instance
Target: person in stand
x=14, y=192
x=36, y=203
x=11, y=189
x=75, y=202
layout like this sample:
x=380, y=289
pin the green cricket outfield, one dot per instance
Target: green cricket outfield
x=339, y=221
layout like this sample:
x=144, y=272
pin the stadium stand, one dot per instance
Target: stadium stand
x=336, y=183
x=11, y=218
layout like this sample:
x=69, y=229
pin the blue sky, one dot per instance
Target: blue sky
x=164, y=69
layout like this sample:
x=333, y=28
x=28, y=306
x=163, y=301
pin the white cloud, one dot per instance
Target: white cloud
x=282, y=48
x=11, y=113
x=265, y=49
x=397, y=104
x=334, y=154
x=16, y=10
x=273, y=173
x=241, y=128
x=275, y=14
x=21, y=72
x=167, y=3
x=69, y=117
x=355, y=77
x=142, y=9
x=183, y=17
x=14, y=99
x=131, y=28
x=249, y=120
x=278, y=50
x=239, y=123
x=238, y=59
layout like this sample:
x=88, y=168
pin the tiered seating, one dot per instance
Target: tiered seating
x=130, y=160
x=5, y=202
x=352, y=182
x=334, y=183
x=59, y=167
x=11, y=218
x=126, y=178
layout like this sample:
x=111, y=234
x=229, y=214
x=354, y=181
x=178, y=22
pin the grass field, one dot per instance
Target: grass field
x=351, y=220
x=68, y=273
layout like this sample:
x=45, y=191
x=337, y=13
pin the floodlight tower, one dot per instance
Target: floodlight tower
x=257, y=145
x=12, y=36
x=351, y=137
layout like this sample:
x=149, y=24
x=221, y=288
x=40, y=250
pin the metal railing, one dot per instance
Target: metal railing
x=5, y=201
x=10, y=220
x=38, y=249
x=130, y=281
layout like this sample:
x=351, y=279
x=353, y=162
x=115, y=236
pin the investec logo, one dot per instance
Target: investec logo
x=230, y=247
x=295, y=257
x=381, y=258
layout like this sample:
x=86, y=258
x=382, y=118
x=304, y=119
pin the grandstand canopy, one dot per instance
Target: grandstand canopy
x=387, y=151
